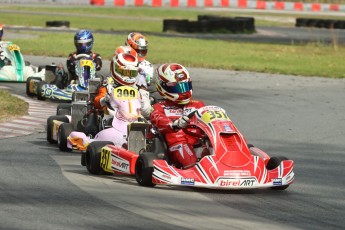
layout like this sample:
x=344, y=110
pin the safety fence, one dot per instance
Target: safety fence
x=243, y=4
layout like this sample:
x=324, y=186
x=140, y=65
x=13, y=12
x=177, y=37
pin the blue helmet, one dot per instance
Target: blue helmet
x=83, y=41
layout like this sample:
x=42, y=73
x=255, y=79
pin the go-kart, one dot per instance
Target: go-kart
x=231, y=164
x=80, y=140
x=14, y=67
x=52, y=73
x=80, y=115
x=56, y=89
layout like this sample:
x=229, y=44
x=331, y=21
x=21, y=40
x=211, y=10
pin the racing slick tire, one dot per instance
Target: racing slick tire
x=93, y=157
x=83, y=159
x=39, y=91
x=64, y=131
x=50, y=126
x=144, y=169
x=28, y=82
x=64, y=109
x=273, y=163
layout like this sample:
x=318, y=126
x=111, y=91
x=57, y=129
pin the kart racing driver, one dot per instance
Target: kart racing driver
x=126, y=101
x=139, y=43
x=174, y=84
x=83, y=42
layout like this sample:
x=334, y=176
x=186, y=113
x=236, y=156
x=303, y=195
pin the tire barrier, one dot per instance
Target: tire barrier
x=320, y=23
x=57, y=24
x=211, y=24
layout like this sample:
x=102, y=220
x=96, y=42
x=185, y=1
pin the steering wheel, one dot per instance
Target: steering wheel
x=79, y=56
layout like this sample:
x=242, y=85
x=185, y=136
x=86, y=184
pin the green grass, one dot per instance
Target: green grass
x=315, y=59
x=11, y=106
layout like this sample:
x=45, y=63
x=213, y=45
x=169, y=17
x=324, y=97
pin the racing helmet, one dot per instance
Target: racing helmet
x=139, y=43
x=1, y=31
x=83, y=41
x=174, y=83
x=125, y=49
x=124, y=69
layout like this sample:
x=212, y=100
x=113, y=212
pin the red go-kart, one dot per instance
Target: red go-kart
x=231, y=164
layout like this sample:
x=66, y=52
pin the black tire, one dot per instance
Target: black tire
x=93, y=157
x=273, y=163
x=28, y=81
x=39, y=91
x=83, y=159
x=64, y=131
x=144, y=169
x=64, y=109
x=57, y=23
x=50, y=126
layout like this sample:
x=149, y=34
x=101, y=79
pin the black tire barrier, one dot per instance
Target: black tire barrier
x=211, y=24
x=320, y=23
x=57, y=23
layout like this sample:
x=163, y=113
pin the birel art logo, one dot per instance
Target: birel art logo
x=237, y=182
x=187, y=181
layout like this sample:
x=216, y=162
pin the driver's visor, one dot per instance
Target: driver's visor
x=83, y=43
x=126, y=72
x=179, y=87
x=141, y=52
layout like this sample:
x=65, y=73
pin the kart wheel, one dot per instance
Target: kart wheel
x=29, y=88
x=64, y=109
x=273, y=163
x=144, y=169
x=39, y=91
x=83, y=160
x=93, y=157
x=50, y=126
x=64, y=131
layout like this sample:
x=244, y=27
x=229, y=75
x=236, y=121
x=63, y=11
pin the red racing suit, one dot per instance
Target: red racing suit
x=180, y=144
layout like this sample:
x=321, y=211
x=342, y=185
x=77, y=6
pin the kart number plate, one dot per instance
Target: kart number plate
x=209, y=116
x=125, y=93
x=86, y=63
x=13, y=47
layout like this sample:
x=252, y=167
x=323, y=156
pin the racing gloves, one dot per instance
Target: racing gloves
x=2, y=55
x=181, y=123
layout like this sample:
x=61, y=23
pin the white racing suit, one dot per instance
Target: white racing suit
x=145, y=74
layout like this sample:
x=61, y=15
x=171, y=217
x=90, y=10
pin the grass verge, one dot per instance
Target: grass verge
x=11, y=106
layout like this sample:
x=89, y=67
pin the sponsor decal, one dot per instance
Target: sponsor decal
x=187, y=111
x=227, y=128
x=173, y=112
x=237, y=182
x=188, y=150
x=176, y=147
x=236, y=173
x=277, y=181
x=120, y=164
x=187, y=181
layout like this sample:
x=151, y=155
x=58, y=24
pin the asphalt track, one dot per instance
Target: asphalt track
x=301, y=118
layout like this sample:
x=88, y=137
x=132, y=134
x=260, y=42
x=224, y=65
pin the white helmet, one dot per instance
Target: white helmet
x=124, y=68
